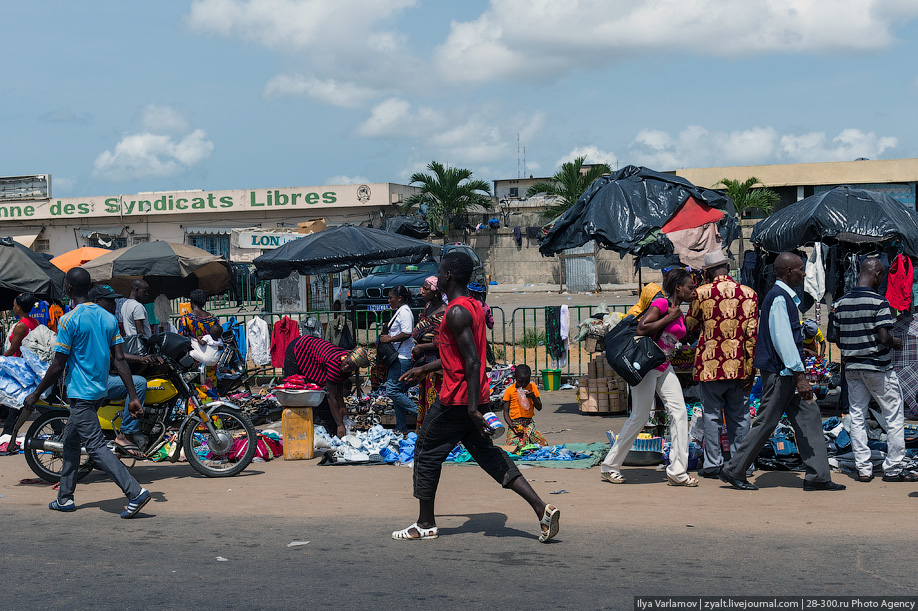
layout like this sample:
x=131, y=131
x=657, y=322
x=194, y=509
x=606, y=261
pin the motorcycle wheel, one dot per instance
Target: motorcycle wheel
x=47, y=464
x=231, y=425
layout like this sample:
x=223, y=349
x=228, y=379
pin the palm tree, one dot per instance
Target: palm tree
x=568, y=184
x=745, y=198
x=448, y=193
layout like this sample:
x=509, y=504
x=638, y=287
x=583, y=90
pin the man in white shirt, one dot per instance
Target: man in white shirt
x=133, y=314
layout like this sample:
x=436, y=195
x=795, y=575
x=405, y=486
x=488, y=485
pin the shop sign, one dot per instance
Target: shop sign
x=265, y=240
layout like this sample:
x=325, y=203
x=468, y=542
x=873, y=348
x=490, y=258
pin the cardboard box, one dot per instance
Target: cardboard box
x=311, y=226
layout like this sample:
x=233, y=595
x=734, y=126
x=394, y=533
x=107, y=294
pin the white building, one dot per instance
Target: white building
x=240, y=224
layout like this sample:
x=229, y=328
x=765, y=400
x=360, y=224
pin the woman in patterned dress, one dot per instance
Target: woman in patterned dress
x=425, y=343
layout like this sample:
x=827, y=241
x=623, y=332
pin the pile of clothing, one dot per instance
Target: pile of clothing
x=19, y=376
x=532, y=452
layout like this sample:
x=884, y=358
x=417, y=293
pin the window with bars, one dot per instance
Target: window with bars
x=113, y=244
x=214, y=244
x=140, y=238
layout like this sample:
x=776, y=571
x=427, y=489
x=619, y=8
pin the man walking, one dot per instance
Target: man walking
x=133, y=314
x=455, y=416
x=863, y=320
x=85, y=336
x=779, y=356
x=726, y=316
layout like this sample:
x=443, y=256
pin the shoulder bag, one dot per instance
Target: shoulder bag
x=387, y=354
x=632, y=356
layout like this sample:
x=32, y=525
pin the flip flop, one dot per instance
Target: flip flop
x=130, y=449
x=551, y=519
x=9, y=449
x=423, y=533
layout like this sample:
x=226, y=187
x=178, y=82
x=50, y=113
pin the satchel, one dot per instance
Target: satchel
x=387, y=354
x=832, y=327
x=632, y=356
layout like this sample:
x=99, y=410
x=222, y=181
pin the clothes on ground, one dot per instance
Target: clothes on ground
x=454, y=390
x=315, y=359
x=726, y=314
x=672, y=333
x=285, y=331
x=86, y=335
x=259, y=341
x=132, y=311
x=858, y=317
x=520, y=404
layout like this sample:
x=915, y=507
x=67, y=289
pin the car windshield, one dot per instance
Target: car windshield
x=428, y=268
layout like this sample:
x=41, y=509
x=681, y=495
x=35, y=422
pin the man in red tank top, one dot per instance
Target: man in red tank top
x=455, y=417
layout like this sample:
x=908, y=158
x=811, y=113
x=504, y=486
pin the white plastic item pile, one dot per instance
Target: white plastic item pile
x=602, y=390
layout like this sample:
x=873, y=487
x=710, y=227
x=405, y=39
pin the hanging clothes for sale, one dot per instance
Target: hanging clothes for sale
x=815, y=281
x=835, y=271
x=259, y=341
x=899, y=285
x=238, y=334
x=554, y=344
x=851, y=272
x=285, y=331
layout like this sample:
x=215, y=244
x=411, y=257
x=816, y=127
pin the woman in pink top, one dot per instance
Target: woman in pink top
x=665, y=323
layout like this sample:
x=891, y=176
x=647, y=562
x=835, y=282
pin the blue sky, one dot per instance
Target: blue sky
x=120, y=97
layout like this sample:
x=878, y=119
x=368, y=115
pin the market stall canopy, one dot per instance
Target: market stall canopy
x=77, y=257
x=25, y=271
x=630, y=211
x=170, y=269
x=340, y=248
x=844, y=214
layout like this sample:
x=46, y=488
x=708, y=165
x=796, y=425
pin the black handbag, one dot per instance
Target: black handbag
x=631, y=356
x=832, y=328
x=387, y=354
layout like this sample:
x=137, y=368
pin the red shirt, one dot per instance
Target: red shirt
x=30, y=324
x=455, y=391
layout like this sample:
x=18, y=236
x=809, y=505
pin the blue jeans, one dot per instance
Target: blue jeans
x=114, y=389
x=396, y=391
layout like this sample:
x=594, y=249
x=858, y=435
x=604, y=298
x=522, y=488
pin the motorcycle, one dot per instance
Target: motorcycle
x=218, y=439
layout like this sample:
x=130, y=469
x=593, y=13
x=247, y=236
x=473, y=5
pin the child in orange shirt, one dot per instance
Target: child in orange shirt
x=519, y=401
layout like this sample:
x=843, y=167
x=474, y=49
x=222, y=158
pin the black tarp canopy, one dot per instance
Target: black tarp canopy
x=411, y=226
x=339, y=248
x=622, y=209
x=25, y=271
x=845, y=214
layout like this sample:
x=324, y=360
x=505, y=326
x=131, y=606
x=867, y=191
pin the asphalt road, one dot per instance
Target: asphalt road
x=642, y=538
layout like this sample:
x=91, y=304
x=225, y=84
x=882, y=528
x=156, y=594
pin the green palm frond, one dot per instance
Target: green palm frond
x=448, y=193
x=568, y=184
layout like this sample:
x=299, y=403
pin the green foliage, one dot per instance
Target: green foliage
x=745, y=198
x=448, y=193
x=568, y=184
x=532, y=338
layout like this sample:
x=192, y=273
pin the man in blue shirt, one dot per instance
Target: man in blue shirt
x=85, y=338
x=785, y=389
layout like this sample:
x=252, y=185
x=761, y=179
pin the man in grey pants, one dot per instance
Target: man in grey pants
x=86, y=336
x=726, y=315
x=785, y=389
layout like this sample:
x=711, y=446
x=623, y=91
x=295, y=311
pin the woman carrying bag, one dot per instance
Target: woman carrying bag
x=665, y=323
x=398, y=335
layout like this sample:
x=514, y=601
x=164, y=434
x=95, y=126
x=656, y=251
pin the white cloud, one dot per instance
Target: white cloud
x=397, y=118
x=592, y=153
x=63, y=184
x=518, y=39
x=347, y=180
x=162, y=120
x=697, y=147
x=163, y=147
x=321, y=40
x=336, y=93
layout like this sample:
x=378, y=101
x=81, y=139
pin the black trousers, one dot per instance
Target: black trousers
x=444, y=426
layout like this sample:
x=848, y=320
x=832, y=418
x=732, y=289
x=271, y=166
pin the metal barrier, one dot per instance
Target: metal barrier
x=527, y=337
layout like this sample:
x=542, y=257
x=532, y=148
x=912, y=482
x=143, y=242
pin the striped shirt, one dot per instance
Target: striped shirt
x=315, y=359
x=859, y=316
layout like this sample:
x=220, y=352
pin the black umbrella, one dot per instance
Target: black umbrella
x=621, y=210
x=845, y=214
x=338, y=249
x=173, y=270
x=25, y=271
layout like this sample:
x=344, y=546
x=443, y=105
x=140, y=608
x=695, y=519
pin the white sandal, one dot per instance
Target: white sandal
x=551, y=520
x=423, y=533
x=688, y=482
x=612, y=477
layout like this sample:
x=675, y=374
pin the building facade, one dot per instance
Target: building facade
x=240, y=224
